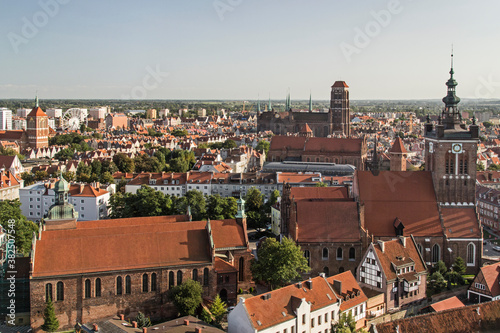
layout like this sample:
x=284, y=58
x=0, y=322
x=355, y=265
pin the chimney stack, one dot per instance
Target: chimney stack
x=382, y=245
x=95, y=327
x=122, y=316
x=403, y=240
x=186, y=322
x=197, y=330
x=144, y=330
x=134, y=324
x=337, y=285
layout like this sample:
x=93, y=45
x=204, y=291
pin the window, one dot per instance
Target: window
x=119, y=285
x=48, y=292
x=145, y=283
x=471, y=254
x=128, y=285
x=195, y=274
x=153, y=282
x=241, y=270
x=60, y=291
x=436, y=253
x=179, y=278
x=87, y=289
x=171, y=281
x=325, y=253
x=339, y=253
x=319, y=320
x=98, y=287
x=205, y=277
x=312, y=322
x=307, y=255
x=326, y=317
x=303, y=319
x=352, y=254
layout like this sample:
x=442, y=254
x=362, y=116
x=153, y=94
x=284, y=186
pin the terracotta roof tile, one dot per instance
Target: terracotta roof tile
x=460, y=222
x=398, y=147
x=491, y=274
x=349, y=287
x=447, y=304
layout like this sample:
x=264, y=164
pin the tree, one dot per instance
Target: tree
x=142, y=320
x=215, y=207
x=321, y=184
x=487, y=124
x=107, y=178
x=28, y=178
x=179, y=132
x=10, y=210
x=196, y=201
x=64, y=154
x=459, y=265
x=264, y=146
x=479, y=167
x=279, y=263
x=50, y=322
x=41, y=175
x=255, y=209
x=186, y=297
x=440, y=267
x=494, y=167
x=346, y=324
x=436, y=282
x=218, y=309
x=123, y=162
x=228, y=144
x=230, y=207
x=69, y=176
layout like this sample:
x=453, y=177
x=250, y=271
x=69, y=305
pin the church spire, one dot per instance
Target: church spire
x=450, y=114
x=258, y=105
x=270, y=107
x=36, y=100
x=310, y=102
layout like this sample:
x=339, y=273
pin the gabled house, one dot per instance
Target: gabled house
x=395, y=268
x=486, y=284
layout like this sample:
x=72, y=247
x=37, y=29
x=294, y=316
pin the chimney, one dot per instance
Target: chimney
x=82, y=186
x=197, y=330
x=403, y=240
x=122, y=316
x=144, y=330
x=337, y=285
x=310, y=284
x=186, y=322
x=134, y=324
x=96, y=328
x=382, y=245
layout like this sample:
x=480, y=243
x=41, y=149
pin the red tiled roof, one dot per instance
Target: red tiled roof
x=37, y=112
x=491, y=274
x=460, y=222
x=398, y=147
x=408, y=196
x=306, y=129
x=279, y=142
x=346, y=145
x=285, y=300
x=222, y=266
x=349, y=287
x=316, y=222
x=299, y=193
x=447, y=304
x=340, y=84
x=473, y=318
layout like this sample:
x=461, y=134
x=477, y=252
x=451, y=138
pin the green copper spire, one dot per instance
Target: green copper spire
x=36, y=100
x=310, y=102
x=451, y=116
x=270, y=107
x=258, y=105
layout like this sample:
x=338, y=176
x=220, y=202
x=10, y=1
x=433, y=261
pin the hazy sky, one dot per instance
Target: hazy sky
x=242, y=49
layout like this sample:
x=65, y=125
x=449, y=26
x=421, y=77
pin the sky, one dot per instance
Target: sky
x=247, y=49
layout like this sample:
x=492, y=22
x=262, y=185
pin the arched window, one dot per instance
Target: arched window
x=436, y=253
x=48, y=292
x=420, y=249
x=60, y=291
x=88, y=291
x=145, y=282
x=352, y=253
x=153, y=282
x=128, y=285
x=307, y=255
x=98, y=287
x=171, y=280
x=325, y=253
x=471, y=254
x=179, y=278
x=205, y=277
x=326, y=270
x=341, y=270
x=241, y=270
x=340, y=253
x=195, y=274
x=119, y=285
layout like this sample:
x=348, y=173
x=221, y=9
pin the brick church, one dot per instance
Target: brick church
x=322, y=124
x=435, y=206
x=94, y=270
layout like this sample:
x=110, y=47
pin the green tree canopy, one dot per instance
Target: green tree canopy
x=186, y=297
x=218, y=309
x=10, y=210
x=264, y=146
x=50, y=322
x=123, y=162
x=459, y=265
x=65, y=154
x=279, y=263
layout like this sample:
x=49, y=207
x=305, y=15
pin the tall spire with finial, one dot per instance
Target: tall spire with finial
x=269, y=107
x=36, y=100
x=310, y=102
x=450, y=114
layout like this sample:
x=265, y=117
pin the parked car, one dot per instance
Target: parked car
x=496, y=248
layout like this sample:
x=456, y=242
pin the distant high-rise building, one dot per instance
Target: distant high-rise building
x=22, y=112
x=54, y=113
x=98, y=113
x=5, y=119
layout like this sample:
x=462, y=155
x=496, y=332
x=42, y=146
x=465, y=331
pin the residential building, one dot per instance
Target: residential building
x=488, y=204
x=10, y=184
x=307, y=306
x=396, y=269
x=116, y=120
x=90, y=200
x=12, y=164
x=22, y=112
x=486, y=285
x=54, y=113
x=138, y=268
x=5, y=119
x=98, y=112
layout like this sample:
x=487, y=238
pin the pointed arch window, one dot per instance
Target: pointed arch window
x=325, y=253
x=171, y=279
x=60, y=291
x=179, y=278
x=340, y=253
x=471, y=254
x=128, y=285
x=119, y=285
x=153, y=282
x=195, y=274
x=307, y=255
x=48, y=292
x=205, y=277
x=98, y=287
x=436, y=253
x=352, y=253
x=145, y=283
x=88, y=291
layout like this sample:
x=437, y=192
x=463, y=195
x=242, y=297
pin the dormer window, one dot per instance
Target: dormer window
x=152, y=182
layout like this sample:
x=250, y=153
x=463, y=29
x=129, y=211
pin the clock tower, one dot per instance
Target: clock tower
x=451, y=152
